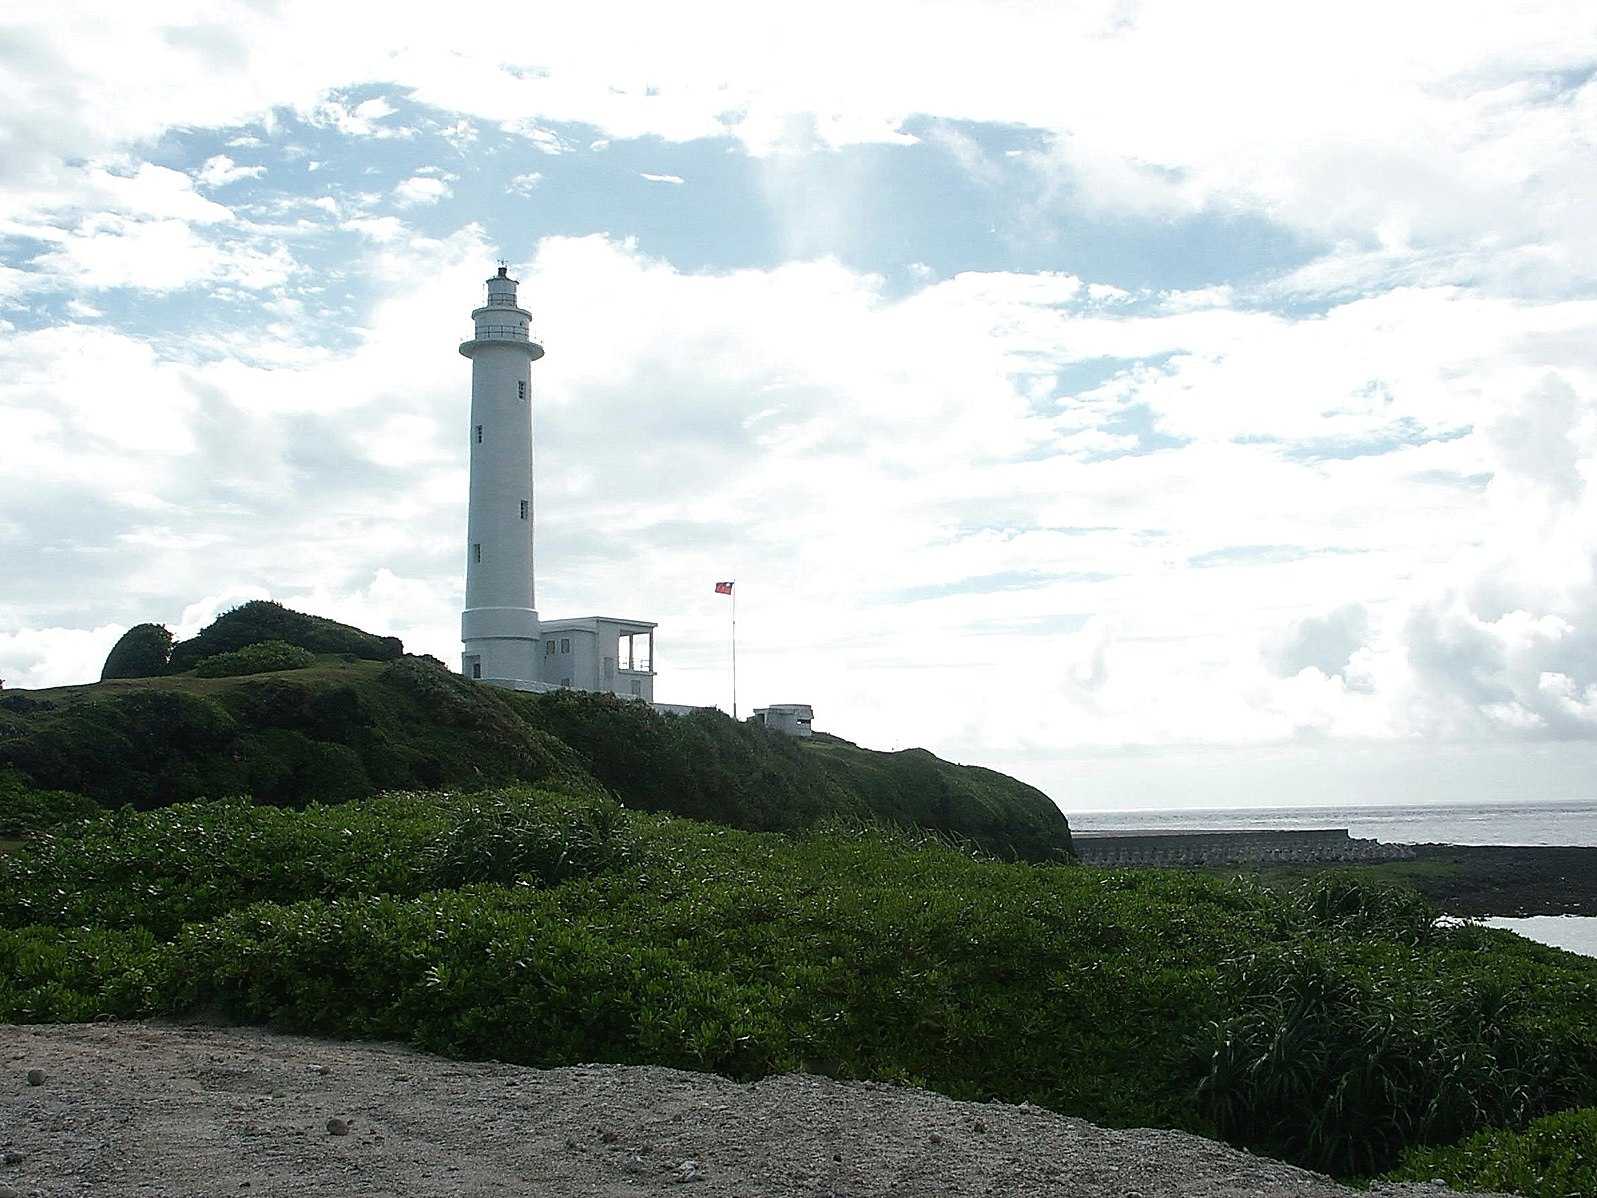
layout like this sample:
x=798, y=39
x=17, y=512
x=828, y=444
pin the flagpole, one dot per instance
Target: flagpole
x=734, y=649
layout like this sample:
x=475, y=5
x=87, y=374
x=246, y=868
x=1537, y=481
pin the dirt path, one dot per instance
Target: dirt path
x=143, y=1109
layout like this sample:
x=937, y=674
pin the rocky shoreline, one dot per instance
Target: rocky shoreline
x=1506, y=879
x=145, y=1109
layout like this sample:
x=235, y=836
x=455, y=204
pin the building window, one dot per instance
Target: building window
x=479, y=434
x=566, y=682
x=476, y=553
x=521, y=389
x=476, y=669
x=523, y=509
x=548, y=648
x=565, y=644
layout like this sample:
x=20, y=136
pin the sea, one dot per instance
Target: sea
x=1554, y=822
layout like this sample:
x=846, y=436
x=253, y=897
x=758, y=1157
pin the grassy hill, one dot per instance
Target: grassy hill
x=345, y=727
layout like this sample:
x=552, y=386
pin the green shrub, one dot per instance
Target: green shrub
x=262, y=620
x=134, y=746
x=25, y=811
x=1340, y=1052
x=260, y=658
x=706, y=766
x=142, y=652
x=1554, y=1157
x=194, y=861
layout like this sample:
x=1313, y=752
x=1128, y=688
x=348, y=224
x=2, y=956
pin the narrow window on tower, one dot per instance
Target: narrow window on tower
x=476, y=669
x=476, y=553
x=479, y=434
x=523, y=509
x=521, y=389
x=565, y=644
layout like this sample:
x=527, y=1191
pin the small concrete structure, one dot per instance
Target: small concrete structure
x=792, y=718
x=599, y=653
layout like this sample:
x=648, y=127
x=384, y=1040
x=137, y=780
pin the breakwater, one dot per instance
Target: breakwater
x=1315, y=846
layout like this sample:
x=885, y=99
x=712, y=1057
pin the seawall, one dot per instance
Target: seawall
x=1317, y=846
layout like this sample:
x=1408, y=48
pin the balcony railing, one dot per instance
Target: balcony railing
x=502, y=332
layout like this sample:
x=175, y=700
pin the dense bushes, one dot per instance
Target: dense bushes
x=549, y=930
x=1555, y=1157
x=702, y=765
x=708, y=767
x=1371, y=1028
x=335, y=732
x=915, y=788
x=142, y=652
x=262, y=620
x=260, y=658
x=194, y=861
x=25, y=811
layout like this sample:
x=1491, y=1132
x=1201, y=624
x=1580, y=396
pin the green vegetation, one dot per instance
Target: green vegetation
x=142, y=652
x=916, y=789
x=339, y=730
x=1554, y=1157
x=262, y=620
x=25, y=811
x=550, y=928
x=264, y=657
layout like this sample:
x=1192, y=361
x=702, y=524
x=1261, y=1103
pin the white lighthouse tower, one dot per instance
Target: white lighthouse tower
x=500, y=622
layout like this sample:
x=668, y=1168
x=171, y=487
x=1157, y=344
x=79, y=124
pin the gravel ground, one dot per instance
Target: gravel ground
x=147, y=1109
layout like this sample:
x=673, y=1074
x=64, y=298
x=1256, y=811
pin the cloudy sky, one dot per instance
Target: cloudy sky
x=1168, y=403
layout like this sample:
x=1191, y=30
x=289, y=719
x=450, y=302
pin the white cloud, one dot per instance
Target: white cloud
x=526, y=184
x=39, y=657
x=421, y=189
x=221, y=170
x=660, y=178
x=158, y=255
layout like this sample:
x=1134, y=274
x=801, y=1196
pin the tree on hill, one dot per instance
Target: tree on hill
x=264, y=620
x=142, y=652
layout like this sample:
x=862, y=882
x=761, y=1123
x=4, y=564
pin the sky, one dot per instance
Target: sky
x=1168, y=404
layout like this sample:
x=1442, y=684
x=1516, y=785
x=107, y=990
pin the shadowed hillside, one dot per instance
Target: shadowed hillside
x=343, y=727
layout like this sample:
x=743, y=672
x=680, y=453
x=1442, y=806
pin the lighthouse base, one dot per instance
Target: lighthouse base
x=500, y=644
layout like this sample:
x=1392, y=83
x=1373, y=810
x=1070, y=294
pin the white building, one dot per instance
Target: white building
x=792, y=718
x=596, y=653
x=505, y=642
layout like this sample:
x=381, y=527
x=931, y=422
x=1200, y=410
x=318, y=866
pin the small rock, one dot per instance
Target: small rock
x=687, y=1171
x=337, y=1127
x=837, y=1156
x=321, y=1069
x=279, y=1093
x=609, y=1137
x=635, y=1163
x=36, y=1077
x=935, y=1138
x=980, y=1126
x=14, y=1157
x=10, y=1192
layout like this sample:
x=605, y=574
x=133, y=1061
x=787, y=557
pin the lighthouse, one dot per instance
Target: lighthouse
x=499, y=625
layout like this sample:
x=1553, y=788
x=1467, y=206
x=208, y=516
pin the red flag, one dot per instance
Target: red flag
x=723, y=588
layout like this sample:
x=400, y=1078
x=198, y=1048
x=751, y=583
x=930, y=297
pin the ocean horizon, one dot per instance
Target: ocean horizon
x=1547, y=822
